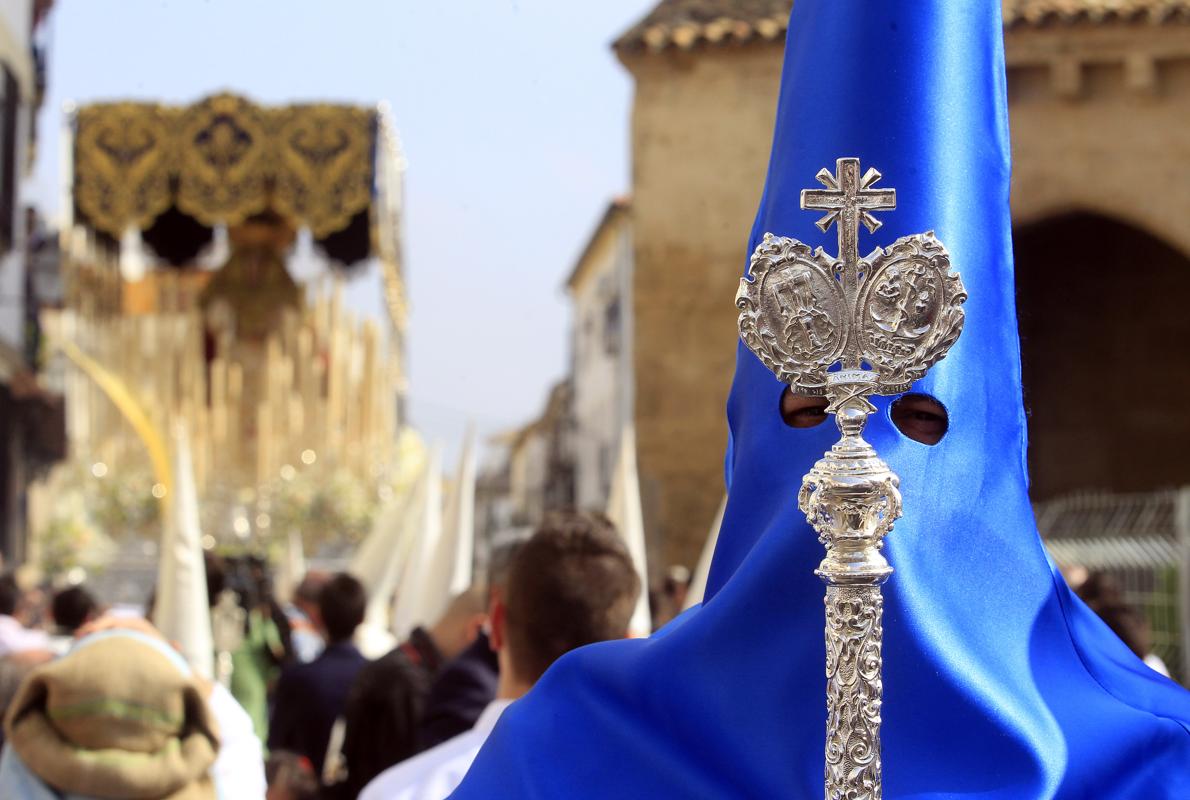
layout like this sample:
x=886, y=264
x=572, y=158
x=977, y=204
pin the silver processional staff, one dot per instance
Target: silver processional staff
x=848, y=327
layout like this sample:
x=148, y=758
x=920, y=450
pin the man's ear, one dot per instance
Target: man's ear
x=475, y=624
x=497, y=620
x=495, y=595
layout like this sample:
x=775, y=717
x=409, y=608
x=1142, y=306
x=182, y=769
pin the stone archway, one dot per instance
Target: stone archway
x=1105, y=349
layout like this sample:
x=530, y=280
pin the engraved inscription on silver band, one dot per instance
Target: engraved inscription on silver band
x=849, y=327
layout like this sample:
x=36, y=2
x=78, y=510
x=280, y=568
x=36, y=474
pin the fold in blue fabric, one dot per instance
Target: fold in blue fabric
x=998, y=682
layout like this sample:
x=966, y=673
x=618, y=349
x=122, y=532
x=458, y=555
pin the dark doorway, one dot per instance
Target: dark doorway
x=1105, y=341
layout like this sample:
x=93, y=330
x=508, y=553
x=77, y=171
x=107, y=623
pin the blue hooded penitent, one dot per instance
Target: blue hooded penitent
x=998, y=682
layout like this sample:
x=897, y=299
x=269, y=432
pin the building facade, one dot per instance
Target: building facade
x=1100, y=120
x=702, y=122
x=541, y=462
x=600, y=289
x=30, y=419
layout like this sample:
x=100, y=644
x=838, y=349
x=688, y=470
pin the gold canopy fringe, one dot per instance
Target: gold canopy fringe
x=221, y=161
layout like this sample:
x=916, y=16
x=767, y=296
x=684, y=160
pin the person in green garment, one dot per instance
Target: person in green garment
x=265, y=648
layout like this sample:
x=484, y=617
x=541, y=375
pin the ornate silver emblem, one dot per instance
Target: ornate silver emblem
x=893, y=314
x=847, y=328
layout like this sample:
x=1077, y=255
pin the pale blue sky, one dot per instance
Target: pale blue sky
x=514, y=118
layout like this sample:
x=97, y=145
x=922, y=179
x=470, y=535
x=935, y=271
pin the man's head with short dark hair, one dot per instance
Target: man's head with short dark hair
x=74, y=607
x=500, y=563
x=311, y=586
x=305, y=597
x=341, y=604
x=572, y=583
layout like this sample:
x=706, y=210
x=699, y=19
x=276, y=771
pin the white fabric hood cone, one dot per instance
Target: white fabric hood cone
x=623, y=509
x=450, y=569
x=377, y=564
x=425, y=530
x=462, y=518
x=181, y=610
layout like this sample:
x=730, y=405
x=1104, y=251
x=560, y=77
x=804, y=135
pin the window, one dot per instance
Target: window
x=10, y=106
x=611, y=327
x=605, y=470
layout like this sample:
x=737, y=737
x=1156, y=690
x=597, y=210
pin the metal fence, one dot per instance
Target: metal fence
x=1143, y=542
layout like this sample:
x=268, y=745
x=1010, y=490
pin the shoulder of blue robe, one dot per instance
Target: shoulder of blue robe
x=716, y=707
x=998, y=683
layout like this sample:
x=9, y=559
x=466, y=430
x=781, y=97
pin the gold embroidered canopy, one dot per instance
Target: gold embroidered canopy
x=225, y=159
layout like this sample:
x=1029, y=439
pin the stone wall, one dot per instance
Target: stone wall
x=701, y=131
x=1100, y=122
x=599, y=353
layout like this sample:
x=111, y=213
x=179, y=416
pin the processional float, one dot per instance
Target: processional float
x=848, y=327
x=177, y=272
x=180, y=305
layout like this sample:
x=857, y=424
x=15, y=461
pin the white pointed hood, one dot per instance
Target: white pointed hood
x=181, y=610
x=424, y=522
x=623, y=509
x=381, y=557
x=450, y=570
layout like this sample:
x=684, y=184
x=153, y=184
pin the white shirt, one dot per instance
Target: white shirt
x=437, y=772
x=307, y=644
x=1155, y=663
x=238, y=771
x=16, y=638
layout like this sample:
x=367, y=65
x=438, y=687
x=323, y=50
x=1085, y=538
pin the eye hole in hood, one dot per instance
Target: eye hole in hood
x=802, y=411
x=920, y=417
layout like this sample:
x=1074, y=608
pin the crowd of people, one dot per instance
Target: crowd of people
x=99, y=704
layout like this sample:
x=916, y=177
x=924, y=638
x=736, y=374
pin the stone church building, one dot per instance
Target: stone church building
x=1099, y=99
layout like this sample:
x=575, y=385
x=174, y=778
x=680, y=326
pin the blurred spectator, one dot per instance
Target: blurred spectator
x=121, y=716
x=302, y=612
x=256, y=663
x=215, y=568
x=670, y=599
x=238, y=772
x=14, y=636
x=239, y=768
x=572, y=583
x=467, y=684
x=265, y=602
x=13, y=670
x=250, y=677
x=1101, y=593
x=310, y=697
x=71, y=609
x=291, y=777
x=33, y=606
x=386, y=702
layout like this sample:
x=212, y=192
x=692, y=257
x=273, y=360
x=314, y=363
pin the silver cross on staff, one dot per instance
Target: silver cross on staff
x=849, y=201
